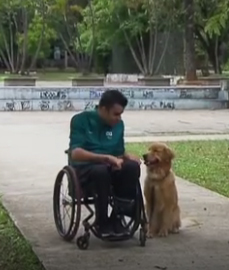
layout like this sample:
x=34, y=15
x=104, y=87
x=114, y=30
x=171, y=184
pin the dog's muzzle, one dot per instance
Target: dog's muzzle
x=150, y=162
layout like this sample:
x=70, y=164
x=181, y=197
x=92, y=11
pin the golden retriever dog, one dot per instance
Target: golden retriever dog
x=160, y=192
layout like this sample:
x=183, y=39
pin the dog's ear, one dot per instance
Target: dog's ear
x=150, y=147
x=169, y=153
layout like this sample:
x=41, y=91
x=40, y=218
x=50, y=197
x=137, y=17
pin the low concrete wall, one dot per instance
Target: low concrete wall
x=84, y=98
x=123, y=78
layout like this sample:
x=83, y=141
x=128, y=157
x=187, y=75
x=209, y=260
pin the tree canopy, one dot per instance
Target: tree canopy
x=88, y=30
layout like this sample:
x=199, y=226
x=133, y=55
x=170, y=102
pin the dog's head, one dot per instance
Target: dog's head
x=158, y=156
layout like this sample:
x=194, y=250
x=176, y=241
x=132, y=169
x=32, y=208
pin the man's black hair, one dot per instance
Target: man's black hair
x=111, y=97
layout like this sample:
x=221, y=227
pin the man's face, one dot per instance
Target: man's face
x=113, y=115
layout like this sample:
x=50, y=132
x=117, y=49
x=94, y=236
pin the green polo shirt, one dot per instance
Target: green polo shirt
x=89, y=132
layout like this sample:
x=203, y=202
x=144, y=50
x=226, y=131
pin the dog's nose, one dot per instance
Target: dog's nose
x=144, y=157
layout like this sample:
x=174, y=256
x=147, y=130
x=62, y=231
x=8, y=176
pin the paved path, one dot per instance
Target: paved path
x=31, y=153
x=141, y=123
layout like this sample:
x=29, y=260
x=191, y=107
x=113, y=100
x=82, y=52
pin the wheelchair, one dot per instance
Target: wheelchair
x=76, y=197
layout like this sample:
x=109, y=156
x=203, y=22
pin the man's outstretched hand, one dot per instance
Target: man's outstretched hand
x=115, y=162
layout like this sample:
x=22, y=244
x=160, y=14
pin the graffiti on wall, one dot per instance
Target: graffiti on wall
x=54, y=94
x=65, y=105
x=25, y=105
x=167, y=105
x=9, y=106
x=95, y=94
x=184, y=93
x=44, y=105
x=147, y=94
x=146, y=105
x=89, y=105
x=75, y=98
x=129, y=93
x=17, y=105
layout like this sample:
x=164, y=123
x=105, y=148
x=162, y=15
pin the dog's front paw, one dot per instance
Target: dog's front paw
x=175, y=231
x=163, y=233
x=149, y=234
x=176, y=227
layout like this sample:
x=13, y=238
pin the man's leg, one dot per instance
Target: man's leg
x=124, y=183
x=98, y=178
x=125, y=180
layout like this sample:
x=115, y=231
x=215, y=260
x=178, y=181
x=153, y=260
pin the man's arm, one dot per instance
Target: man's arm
x=120, y=147
x=122, y=151
x=77, y=142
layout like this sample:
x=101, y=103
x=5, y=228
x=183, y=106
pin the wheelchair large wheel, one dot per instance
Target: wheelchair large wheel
x=68, y=204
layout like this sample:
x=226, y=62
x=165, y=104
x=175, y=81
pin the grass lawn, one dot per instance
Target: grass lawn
x=15, y=252
x=205, y=163
x=49, y=75
x=46, y=76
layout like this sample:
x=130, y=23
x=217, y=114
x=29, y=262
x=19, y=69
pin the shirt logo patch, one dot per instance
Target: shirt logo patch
x=109, y=135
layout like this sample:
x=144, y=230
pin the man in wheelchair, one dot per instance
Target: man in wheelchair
x=97, y=152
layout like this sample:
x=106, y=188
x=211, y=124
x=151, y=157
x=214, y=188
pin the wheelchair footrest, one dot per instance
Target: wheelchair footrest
x=116, y=238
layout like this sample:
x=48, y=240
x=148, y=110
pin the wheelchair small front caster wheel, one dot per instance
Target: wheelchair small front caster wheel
x=142, y=237
x=83, y=242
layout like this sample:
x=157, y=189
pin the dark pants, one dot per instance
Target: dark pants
x=101, y=178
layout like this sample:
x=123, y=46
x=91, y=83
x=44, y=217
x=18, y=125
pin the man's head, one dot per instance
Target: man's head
x=111, y=106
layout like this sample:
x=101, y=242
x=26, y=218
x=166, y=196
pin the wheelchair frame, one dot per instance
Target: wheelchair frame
x=79, y=199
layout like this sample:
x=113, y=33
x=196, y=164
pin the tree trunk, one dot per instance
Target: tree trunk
x=217, y=62
x=25, y=40
x=189, y=41
x=7, y=49
x=5, y=60
x=34, y=59
x=209, y=45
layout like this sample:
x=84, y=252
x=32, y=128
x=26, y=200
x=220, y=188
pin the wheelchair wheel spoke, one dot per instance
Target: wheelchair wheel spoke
x=65, y=203
x=65, y=193
x=63, y=218
x=62, y=194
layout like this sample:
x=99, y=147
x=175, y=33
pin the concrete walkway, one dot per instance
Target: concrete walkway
x=31, y=154
x=138, y=123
